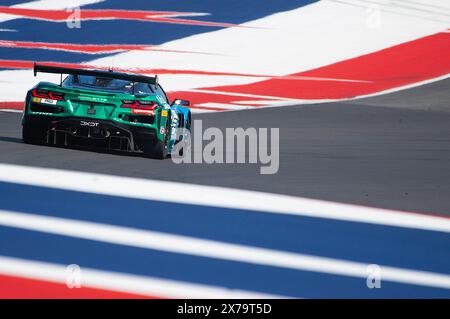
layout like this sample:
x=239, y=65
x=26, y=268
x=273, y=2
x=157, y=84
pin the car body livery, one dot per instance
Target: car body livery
x=104, y=109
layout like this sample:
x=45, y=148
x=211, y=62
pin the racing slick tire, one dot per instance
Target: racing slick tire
x=32, y=134
x=156, y=151
x=160, y=150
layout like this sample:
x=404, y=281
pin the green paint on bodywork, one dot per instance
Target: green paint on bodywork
x=107, y=106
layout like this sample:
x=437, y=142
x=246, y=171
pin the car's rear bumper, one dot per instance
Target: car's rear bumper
x=77, y=131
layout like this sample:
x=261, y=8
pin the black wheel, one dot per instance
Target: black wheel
x=158, y=149
x=32, y=135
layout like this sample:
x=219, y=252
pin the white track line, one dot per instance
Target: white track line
x=213, y=249
x=226, y=106
x=133, y=284
x=241, y=94
x=10, y=110
x=216, y=196
x=316, y=78
x=196, y=110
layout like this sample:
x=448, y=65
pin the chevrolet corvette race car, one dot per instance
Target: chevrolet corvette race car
x=104, y=109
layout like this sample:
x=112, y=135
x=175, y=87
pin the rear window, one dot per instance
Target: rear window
x=107, y=84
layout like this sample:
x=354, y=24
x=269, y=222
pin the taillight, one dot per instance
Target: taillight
x=46, y=94
x=129, y=104
x=56, y=96
x=141, y=105
x=40, y=93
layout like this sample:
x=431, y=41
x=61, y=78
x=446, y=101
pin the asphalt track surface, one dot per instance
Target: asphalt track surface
x=391, y=151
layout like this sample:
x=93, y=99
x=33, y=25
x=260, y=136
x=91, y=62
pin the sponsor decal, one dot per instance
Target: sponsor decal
x=37, y=99
x=162, y=130
x=174, y=125
x=164, y=113
x=91, y=124
x=48, y=101
x=91, y=98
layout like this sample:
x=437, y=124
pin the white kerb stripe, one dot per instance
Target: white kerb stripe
x=217, y=197
x=225, y=106
x=241, y=94
x=119, y=282
x=213, y=249
x=10, y=110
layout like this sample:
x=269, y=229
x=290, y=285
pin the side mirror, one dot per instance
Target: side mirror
x=180, y=102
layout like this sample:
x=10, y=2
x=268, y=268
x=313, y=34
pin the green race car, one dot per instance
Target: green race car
x=104, y=109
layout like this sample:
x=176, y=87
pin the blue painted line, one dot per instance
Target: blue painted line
x=46, y=55
x=97, y=255
x=229, y=11
x=368, y=243
x=100, y=32
x=11, y=2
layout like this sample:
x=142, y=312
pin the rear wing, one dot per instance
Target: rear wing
x=104, y=74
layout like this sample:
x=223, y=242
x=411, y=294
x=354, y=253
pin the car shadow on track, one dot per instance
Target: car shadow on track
x=10, y=139
x=17, y=140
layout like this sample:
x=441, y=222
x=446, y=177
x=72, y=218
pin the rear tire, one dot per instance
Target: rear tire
x=157, y=150
x=32, y=135
x=160, y=150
